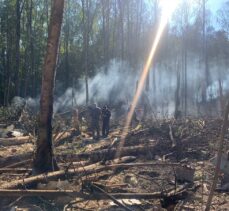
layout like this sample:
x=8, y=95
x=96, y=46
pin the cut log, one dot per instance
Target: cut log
x=16, y=140
x=94, y=168
x=108, y=154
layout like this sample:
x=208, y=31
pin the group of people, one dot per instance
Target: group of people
x=96, y=113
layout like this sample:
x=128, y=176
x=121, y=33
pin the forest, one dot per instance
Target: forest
x=108, y=41
x=114, y=105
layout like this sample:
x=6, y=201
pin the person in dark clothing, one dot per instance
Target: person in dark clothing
x=106, y=114
x=95, y=116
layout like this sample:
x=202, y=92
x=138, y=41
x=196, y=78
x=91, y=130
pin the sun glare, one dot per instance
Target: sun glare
x=167, y=8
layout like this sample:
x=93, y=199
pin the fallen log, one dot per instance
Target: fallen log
x=109, y=196
x=75, y=164
x=14, y=170
x=45, y=193
x=108, y=154
x=64, y=136
x=4, y=161
x=135, y=132
x=94, y=168
x=15, y=140
x=57, y=193
x=20, y=163
x=94, y=156
x=95, y=196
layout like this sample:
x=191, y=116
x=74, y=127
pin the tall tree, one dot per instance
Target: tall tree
x=205, y=53
x=44, y=159
x=17, y=50
x=85, y=9
x=106, y=31
x=121, y=26
x=66, y=29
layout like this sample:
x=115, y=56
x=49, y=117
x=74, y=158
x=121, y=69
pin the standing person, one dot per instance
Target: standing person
x=95, y=116
x=106, y=114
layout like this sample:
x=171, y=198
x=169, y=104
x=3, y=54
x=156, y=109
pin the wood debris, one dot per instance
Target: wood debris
x=162, y=164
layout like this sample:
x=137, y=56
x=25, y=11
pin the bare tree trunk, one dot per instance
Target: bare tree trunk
x=17, y=50
x=106, y=31
x=44, y=160
x=85, y=40
x=221, y=97
x=121, y=27
x=8, y=66
x=154, y=65
x=28, y=57
x=185, y=80
x=205, y=55
x=185, y=59
x=114, y=32
x=3, y=61
x=66, y=46
x=177, y=96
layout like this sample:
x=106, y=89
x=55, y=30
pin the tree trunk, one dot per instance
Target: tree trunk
x=44, y=160
x=85, y=44
x=29, y=47
x=121, y=27
x=66, y=46
x=114, y=33
x=17, y=50
x=106, y=32
x=221, y=98
x=205, y=55
x=177, y=96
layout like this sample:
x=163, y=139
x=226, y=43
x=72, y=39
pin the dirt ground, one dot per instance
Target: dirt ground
x=196, y=144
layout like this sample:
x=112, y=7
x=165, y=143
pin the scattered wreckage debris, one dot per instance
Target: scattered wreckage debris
x=165, y=165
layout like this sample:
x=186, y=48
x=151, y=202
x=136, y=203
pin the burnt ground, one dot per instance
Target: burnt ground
x=196, y=143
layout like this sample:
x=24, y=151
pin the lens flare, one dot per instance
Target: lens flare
x=167, y=7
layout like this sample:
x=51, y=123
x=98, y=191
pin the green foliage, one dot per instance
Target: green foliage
x=117, y=29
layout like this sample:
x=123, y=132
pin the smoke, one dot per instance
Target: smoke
x=117, y=85
x=213, y=91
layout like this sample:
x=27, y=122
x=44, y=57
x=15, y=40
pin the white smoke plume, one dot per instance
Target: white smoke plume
x=118, y=85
